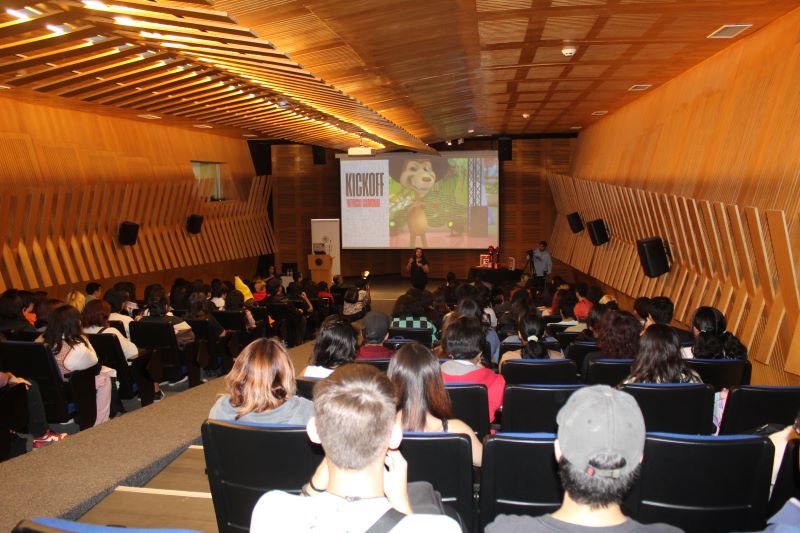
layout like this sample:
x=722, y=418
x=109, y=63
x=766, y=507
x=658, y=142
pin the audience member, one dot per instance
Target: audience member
x=555, y=307
x=157, y=310
x=73, y=352
x=199, y=309
x=94, y=319
x=336, y=345
x=76, y=299
x=409, y=312
x=531, y=331
x=219, y=292
x=599, y=450
x=641, y=308
x=463, y=339
x=422, y=396
x=712, y=338
x=298, y=296
x=13, y=310
x=374, y=331
x=566, y=307
x=617, y=338
x=43, y=309
x=261, y=388
x=260, y=290
x=363, y=477
x=581, y=309
x=37, y=420
x=661, y=311
x=296, y=320
x=357, y=300
x=594, y=294
x=116, y=301
x=235, y=302
x=659, y=359
x=270, y=273
x=592, y=323
x=92, y=291
x=322, y=290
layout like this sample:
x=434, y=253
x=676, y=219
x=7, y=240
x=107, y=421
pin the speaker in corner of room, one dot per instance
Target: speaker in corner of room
x=653, y=256
x=318, y=153
x=598, y=232
x=504, y=152
x=194, y=223
x=128, y=233
x=575, y=222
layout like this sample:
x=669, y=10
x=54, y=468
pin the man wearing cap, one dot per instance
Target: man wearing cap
x=599, y=451
x=375, y=330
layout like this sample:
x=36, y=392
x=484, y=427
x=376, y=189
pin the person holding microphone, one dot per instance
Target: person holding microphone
x=418, y=267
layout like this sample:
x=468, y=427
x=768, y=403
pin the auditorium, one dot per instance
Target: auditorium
x=390, y=265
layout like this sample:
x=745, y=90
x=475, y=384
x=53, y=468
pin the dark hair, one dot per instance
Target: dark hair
x=115, y=299
x=450, y=278
x=415, y=374
x=63, y=325
x=582, y=289
x=713, y=340
x=294, y=290
x=150, y=290
x=44, y=308
x=198, y=306
x=463, y=338
x=322, y=286
x=618, y=335
x=661, y=309
x=659, y=359
x=566, y=304
x=594, y=294
x=471, y=309
x=95, y=313
x=351, y=296
x=92, y=287
x=597, y=491
x=179, y=295
x=156, y=302
x=641, y=306
x=465, y=290
x=218, y=289
x=234, y=301
x=407, y=305
x=595, y=316
x=336, y=343
x=531, y=325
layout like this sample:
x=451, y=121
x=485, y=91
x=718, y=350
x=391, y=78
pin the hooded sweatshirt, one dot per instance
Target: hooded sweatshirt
x=295, y=410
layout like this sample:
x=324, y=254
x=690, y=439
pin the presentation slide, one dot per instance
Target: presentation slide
x=410, y=200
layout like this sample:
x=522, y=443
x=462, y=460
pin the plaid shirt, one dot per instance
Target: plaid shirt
x=415, y=322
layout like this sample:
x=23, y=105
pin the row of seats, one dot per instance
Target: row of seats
x=696, y=483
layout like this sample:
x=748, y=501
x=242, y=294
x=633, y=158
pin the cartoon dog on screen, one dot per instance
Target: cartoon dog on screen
x=419, y=176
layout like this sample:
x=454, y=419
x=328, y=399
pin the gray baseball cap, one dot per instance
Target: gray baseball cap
x=601, y=420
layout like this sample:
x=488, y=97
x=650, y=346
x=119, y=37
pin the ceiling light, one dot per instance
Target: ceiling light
x=526, y=116
x=449, y=143
x=728, y=31
x=640, y=87
x=599, y=113
x=202, y=126
x=470, y=131
x=94, y=4
x=575, y=127
x=149, y=117
x=21, y=14
x=569, y=51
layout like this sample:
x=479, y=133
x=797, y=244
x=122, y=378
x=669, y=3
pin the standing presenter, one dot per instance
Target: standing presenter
x=418, y=267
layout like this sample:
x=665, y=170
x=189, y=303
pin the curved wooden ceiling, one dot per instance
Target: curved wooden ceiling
x=402, y=72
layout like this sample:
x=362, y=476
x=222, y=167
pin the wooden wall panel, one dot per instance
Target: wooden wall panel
x=69, y=178
x=527, y=212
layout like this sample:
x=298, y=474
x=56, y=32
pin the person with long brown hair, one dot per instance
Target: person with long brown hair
x=422, y=397
x=261, y=388
x=618, y=337
x=659, y=359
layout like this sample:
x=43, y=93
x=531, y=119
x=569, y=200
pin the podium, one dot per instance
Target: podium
x=321, y=266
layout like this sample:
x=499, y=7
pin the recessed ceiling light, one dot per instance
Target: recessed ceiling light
x=526, y=115
x=202, y=126
x=728, y=31
x=599, y=113
x=149, y=117
x=640, y=87
x=575, y=127
x=470, y=130
x=249, y=135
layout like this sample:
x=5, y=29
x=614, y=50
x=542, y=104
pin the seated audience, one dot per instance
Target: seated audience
x=617, y=338
x=566, y=308
x=592, y=323
x=357, y=300
x=582, y=307
x=261, y=388
x=609, y=299
x=484, y=299
x=94, y=319
x=712, y=338
x=296, y=320
x=296, y=295
x=641, y=308
x=116, y=302
x=260, y=290
x=43, y=309
x=462, y=341
x=179, y=294
x=157, y=310
x=375, y=330
x=362, y=479
x=336, y=344
x=322, y=290
x=531, y=333
x=15, y=312
x=92, y=291
x=659, y=359
x=76, y=299
x=661, y=311
x=199, y=309
x=422, y=396
x=73, y=352
x=555, y=307
x=219, y=292
x=599, y=450
x=409, y=312
x=37, y=420
x=235, y=302
x=472, y=309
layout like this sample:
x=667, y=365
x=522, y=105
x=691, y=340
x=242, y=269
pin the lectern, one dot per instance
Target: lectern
x=321, y=266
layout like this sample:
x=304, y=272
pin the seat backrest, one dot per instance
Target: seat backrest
x=519, y=475
x=565, y=338
x=119, y=326
x=578, y=351
x=749, y=407
x=13, y=416
x=533, y=408
x=787, y=482
x=720, y=373
x=423, y=336
x=552, y=329
x=60, y=525
x=245, y=461
x=35, y=361
x=380, y=364
x=84, y=394
x=109, y=351
x=159, y=336
x=609, y=372
x=704, y=483
x=21, y=335
x=470, y=402
x=539, y=371
x=395, y=343
x=231, y=320
x=445, y=461
x=305, y=387
x=675, y=407
x=551, y=319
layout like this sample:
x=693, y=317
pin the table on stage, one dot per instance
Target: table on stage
x=495, y=276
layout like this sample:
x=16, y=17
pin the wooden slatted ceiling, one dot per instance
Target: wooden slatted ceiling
x=441, y=68
x=198, y=63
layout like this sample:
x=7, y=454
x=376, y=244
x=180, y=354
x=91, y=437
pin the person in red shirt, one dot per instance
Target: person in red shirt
x=584, y=305
x=375, y=330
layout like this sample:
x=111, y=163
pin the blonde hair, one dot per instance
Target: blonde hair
x=262, y=377
x=260, y=285
x=76, y=299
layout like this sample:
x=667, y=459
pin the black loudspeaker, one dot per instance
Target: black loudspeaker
x=318, y=153
x=653, y=256
x=128, y=233
x=504, y=152
x=575, y=222
x=597, y=231
x=194, y=223
x=261, y=153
